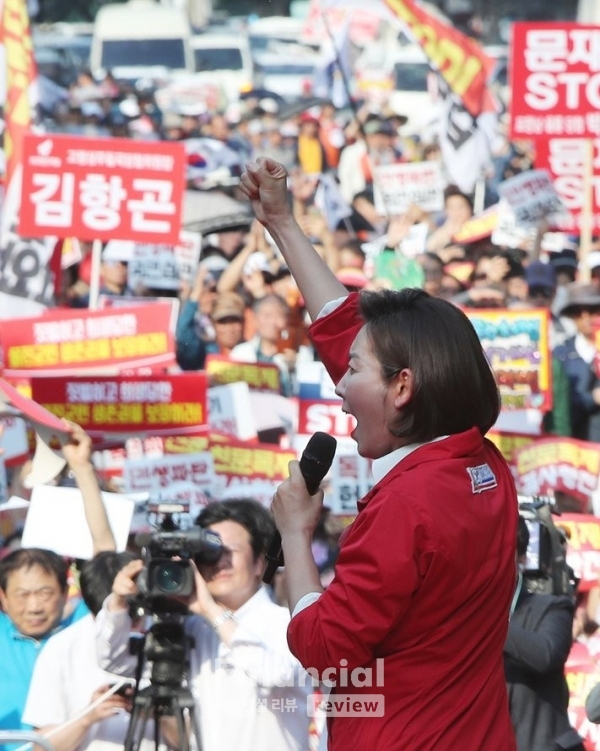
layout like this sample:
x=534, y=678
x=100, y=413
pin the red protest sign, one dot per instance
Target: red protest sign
x=159, y=404
x=583, y=547
x=69, y=341
x=564, y=159
x=102, y=188
x=325, y=416
x=555, y=80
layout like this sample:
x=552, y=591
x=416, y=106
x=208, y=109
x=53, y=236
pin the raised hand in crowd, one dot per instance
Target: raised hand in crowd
x=78, y=453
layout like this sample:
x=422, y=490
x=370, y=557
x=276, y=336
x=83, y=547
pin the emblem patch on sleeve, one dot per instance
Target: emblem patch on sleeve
x=482, y=478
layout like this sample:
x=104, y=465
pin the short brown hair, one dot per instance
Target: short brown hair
x=454, y=388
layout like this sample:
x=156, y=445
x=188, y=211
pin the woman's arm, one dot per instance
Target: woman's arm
x=265, y=184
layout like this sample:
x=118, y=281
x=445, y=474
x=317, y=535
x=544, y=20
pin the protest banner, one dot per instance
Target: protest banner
x=557, y=464
x=187, y=478
x=103, y=405
x=516, y=344
x=258, y=375
x=69, y=342
x=102, y=188
x=255, y=470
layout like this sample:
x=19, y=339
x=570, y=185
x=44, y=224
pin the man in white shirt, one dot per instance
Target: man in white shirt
x=69, y=697
x=250, y=692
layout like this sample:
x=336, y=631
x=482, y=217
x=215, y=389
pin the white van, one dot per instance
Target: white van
x=225, y=60
x=141, y=39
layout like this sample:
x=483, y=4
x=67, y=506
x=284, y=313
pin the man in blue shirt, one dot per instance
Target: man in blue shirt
x=33, y=595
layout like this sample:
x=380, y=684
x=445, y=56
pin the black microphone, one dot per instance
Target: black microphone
x=315, y=462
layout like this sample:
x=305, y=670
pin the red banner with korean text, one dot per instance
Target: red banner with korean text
x=155, y=405
x=69, y=342
x=559, y=464
x=583, y=547
x=325, y=416
x=555, y=80
x=582, y=672
x=460, y=60
x=516, y=344
x=102, y=188
x=564, y=159
x=259, y=376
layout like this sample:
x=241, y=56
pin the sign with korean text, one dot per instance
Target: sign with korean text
x=531, y=196
x=583, y=547
x=516, y=344
x=555, y=80
x=558, y=464
x=176, y=477
x=325, y=416
x=250, y=470
x=582, y=673
x=398, y=186
x=102, y=188
x=564, y=159
x=258, y=375
x=160, y=404
x=69, y=341
x=164, y=267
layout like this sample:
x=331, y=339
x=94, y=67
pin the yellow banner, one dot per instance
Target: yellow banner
x=20, y=74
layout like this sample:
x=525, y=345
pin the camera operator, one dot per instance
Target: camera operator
x=249, y=691
x=537, y=646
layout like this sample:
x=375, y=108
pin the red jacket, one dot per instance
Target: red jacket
x=424, y=580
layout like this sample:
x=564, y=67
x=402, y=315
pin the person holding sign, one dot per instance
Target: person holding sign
x=426, y=572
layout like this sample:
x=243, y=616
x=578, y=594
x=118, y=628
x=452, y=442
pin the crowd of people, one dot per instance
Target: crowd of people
x=428, y=578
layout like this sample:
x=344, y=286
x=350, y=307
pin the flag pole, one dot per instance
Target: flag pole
x=95, y=274
x=587, y=210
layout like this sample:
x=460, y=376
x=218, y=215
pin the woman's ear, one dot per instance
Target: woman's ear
x=403, y=387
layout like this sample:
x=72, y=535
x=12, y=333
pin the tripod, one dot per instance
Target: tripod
x=168, y=694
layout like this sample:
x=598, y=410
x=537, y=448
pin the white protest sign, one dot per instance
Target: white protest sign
x=350, y=480
x=415, y=241
x=230, y=410
x=187, y=255
x=508, y=232
x=13, y=438
x=398, y=186
x=154, y=267
x=159, y=475
x=531, y=195
x=56, y=521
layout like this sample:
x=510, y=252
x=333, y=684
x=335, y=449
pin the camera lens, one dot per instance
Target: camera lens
x=170, y=577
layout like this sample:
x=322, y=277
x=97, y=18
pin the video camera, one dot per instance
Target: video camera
x=168, y=553
x=546, y=570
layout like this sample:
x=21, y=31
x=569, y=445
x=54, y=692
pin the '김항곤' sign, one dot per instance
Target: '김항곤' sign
x=101, y=188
